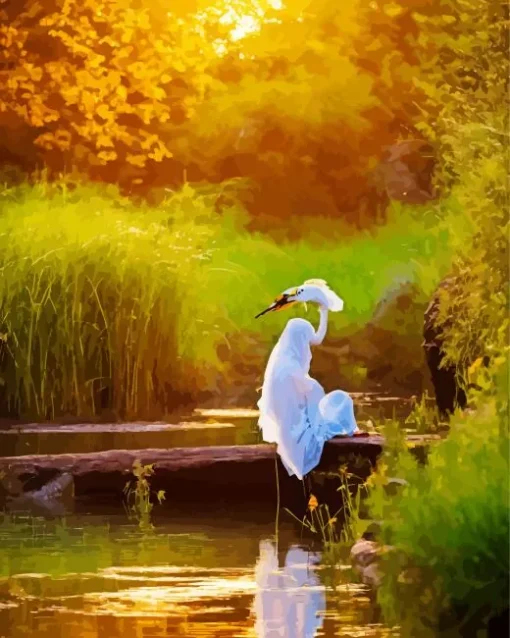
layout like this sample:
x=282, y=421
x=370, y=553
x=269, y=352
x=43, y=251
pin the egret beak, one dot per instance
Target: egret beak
x=280, y=303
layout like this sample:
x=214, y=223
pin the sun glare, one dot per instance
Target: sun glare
x=244, y=24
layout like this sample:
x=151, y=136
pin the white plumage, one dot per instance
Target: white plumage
x=295, y=412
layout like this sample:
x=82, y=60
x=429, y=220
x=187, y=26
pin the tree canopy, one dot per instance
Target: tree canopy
x=299, y=99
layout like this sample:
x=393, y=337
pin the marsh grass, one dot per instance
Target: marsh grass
x=424, y=415
x=345, y=525
x=88, y=302
x=115, y=310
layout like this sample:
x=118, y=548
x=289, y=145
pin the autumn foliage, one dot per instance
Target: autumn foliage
x=300, y=100
x=97, y=83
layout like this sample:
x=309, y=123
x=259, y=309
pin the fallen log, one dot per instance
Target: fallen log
x=219, y=473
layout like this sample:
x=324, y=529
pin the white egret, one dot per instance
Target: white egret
x=295, y=412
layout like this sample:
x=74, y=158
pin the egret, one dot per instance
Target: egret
x=295, y=412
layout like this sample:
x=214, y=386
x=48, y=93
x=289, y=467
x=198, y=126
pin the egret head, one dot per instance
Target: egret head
x=312, y=291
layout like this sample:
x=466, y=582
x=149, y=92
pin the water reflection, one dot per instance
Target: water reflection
x=192, y=577
x=289, y=601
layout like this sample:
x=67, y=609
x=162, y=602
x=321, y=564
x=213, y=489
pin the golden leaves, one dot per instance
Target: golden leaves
x=107, y=156
x=60, y=139
x=149, y=141
x=104, y=112
x=7, y=35
x=104, y=141
x=111, y=76
x=136, y=160
x=160, y=152
x=126, y=36
x=38, y=114
x=393, y=9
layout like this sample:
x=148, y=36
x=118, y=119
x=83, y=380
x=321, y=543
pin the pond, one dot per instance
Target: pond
x=204, y=574
x=203, y=570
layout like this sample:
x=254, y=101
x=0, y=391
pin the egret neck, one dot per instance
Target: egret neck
x=323, y=326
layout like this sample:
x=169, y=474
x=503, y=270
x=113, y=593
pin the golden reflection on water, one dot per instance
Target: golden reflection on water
x=277, y=594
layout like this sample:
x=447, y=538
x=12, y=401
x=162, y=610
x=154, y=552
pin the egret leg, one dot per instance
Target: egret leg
x=306, y=504
x=277, y=518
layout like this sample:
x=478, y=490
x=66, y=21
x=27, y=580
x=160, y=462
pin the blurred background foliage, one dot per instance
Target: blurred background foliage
x=300, y=99
x=167, y=171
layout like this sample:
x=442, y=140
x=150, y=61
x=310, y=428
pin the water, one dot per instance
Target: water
x=202, y=428
x=196, y=575
x=212, y=573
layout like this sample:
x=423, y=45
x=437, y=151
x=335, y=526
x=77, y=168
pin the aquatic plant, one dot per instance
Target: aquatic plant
x=318, y=520
x=352, y=493
x=344, y=526
x=138, y=495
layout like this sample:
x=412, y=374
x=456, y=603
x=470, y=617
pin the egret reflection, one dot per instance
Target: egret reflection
x=289, y=601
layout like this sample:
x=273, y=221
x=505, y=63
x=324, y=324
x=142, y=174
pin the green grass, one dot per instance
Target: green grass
x=103, y=298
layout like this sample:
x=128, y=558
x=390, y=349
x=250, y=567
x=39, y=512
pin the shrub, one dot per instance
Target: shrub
x=450, y=525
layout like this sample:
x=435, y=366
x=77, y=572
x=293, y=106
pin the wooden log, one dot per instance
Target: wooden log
x=221, y=473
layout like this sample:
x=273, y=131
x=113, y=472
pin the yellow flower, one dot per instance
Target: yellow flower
x=344, y=473
x=312, y=503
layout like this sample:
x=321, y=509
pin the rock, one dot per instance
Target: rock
x=53, y=498
x=366, y=561
x=394, y=486
x=444, y=379
x=365, y=556
x=406, y=171
x=389, y=345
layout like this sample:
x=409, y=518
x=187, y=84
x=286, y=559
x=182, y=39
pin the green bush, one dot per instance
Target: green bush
x=449, y=572
x=466, y=116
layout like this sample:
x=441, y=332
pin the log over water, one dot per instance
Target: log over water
x=217, y=473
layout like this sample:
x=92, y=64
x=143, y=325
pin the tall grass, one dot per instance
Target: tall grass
x=89, y=299
x=108, y=305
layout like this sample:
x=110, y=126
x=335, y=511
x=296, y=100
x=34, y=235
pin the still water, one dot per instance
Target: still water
x=213, y=574
x=204, y=572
